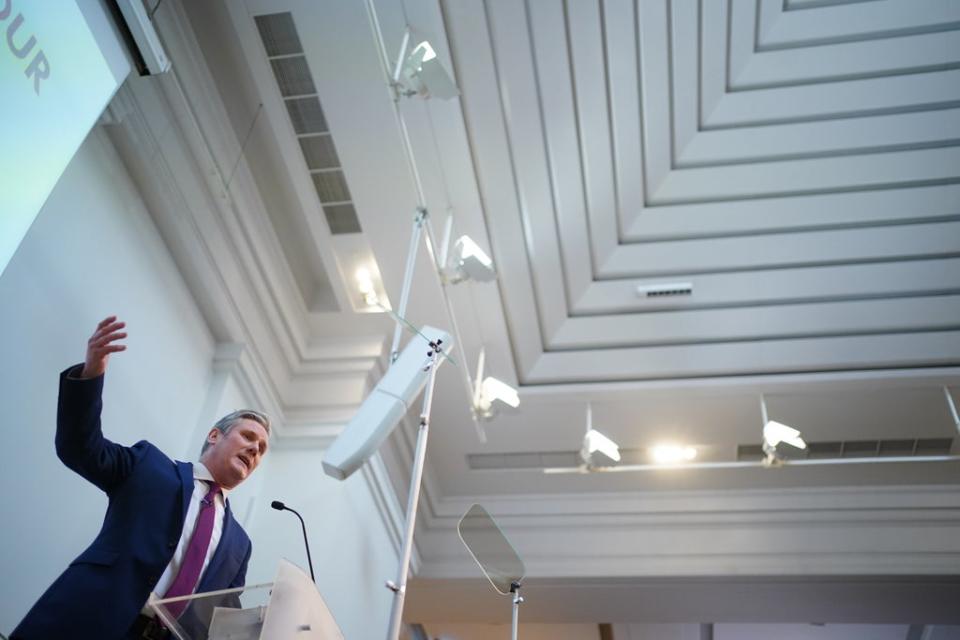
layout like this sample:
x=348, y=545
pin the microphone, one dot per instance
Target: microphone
x=279, y=506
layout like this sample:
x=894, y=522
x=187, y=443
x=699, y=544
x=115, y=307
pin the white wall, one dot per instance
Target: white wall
x=352, y=553
x=92, y=251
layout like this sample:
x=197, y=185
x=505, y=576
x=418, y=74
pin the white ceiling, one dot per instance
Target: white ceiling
x=795, y=161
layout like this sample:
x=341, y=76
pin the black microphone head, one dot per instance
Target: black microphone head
x=279, y=506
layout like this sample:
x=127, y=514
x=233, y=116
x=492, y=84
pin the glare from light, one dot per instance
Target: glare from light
x=672, y=454
x=595, y=441
x=366, y=287
x=775, y=432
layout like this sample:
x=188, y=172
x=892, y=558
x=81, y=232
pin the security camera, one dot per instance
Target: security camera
x=385, y=406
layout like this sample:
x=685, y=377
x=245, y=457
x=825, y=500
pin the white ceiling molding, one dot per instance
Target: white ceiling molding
x=840, y=531
x=552, y=100
x=738, y=599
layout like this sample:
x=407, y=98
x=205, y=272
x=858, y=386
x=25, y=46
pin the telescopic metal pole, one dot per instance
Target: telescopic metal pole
x=517, y=601
x=399, y=587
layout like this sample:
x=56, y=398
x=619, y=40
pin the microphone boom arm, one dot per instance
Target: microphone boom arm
x=279, y=506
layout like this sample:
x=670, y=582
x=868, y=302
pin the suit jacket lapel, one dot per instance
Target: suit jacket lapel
x=186, y=489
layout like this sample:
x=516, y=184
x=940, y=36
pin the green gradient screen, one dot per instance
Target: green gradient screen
x=54, y=83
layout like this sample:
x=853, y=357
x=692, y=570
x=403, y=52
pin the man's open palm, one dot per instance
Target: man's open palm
x=101, y=344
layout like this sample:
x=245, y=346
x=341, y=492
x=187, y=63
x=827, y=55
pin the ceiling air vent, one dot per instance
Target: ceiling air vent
x=664, y=290
x=860, y=449
x=285, y=53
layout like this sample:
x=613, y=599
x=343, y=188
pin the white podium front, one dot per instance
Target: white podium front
x=290, y=607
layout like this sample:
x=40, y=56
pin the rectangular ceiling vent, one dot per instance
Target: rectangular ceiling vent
x=292, y=73
x=860, y=449
x=666, y=289
x=536, y=460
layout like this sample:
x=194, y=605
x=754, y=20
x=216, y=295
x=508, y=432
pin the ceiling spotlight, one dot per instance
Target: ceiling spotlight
x=366, y=287
x=492, y=396
x=469, y=262
x=495, y=396
x=419, y=72
x=598, y=450
x=776, y=434
x=672, y=454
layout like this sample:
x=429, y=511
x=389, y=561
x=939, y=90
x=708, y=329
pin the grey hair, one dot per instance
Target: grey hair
x=230, y=420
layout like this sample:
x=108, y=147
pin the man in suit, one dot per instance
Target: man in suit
x=168, y=530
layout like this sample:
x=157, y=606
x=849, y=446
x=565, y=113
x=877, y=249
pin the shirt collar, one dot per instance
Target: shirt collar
x=200, y=472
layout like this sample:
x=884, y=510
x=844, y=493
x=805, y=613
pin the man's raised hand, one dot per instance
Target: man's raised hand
x=101, y=344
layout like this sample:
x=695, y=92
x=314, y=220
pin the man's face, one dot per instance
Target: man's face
x=233, y=456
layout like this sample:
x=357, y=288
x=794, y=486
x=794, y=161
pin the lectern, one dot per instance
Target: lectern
x=289, y=608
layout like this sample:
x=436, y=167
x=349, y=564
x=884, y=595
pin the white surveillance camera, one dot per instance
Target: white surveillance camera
x=385, y=406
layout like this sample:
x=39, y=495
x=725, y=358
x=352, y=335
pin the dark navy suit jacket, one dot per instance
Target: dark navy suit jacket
x=103, y=590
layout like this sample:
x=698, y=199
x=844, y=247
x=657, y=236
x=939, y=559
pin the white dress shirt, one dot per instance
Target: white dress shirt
x=201, y=478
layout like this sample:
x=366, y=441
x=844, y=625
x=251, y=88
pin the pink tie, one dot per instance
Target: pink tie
x=189, y=575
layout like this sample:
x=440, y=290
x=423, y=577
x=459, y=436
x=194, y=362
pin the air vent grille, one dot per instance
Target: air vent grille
x=279, y=35
x=306, y=115
x=293, y=76
x=860, y=449
x=666, y=289
x=292, y=72
x=486, y=461
x=342, y=218
x=319, y=152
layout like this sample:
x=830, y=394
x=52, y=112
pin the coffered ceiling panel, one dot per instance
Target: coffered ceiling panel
x=795, y=164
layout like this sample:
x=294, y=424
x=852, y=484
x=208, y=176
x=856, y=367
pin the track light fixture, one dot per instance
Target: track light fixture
x=778, y=440
x=776, y=434
x=468, y=262
x=492, y=396
x=419, y=72
x=598, y=450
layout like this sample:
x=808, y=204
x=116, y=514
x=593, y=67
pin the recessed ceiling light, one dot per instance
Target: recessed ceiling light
x=366, y=287
x=672, y=454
